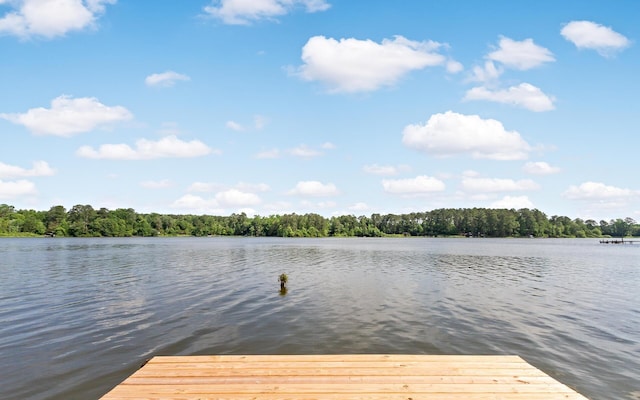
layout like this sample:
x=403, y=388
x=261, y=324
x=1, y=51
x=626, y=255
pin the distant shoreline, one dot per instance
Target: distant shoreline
x=85, y=221
x=602, y=239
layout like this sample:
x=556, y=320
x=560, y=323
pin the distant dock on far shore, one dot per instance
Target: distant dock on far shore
x=617, y=241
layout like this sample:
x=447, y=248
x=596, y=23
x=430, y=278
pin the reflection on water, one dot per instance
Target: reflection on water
x=79, y=315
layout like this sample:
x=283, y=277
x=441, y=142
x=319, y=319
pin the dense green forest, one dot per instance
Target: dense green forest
x=85, y=221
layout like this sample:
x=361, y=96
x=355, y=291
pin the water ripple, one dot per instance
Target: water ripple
x=568, y=307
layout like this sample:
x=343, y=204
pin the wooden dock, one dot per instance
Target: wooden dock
x=617, y=241
x=337, y=377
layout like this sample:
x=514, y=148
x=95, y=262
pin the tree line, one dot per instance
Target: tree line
x=85, y=221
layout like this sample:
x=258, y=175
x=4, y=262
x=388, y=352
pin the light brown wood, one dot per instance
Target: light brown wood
x=338, y=377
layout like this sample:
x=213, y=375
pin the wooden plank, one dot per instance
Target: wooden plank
x=355, y=377
x=363, y=376
x=371, y=396
x=274, y=359
x=292, y=389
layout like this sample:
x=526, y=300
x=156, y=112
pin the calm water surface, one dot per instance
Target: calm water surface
x=77, y=316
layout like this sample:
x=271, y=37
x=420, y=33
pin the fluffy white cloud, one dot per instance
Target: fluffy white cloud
x=320, y=205
x=484, y=185
x=234, y=126
x=524, y=95
x=314, y=189
x=68, y=116
x=236, y=198
x=243, y=12
x=540, y=168
x=598, y=191
x=165, y=183
x=40, y=168
x=165, y=79
x=241, y=186
x=385, y=170
x=589, y=35
x=352, y=65
x=512, y=54
x=513, y=202
x=259, y=122
x=169, y=146
x=487, y=74
x=304, y=152
x=328, y=146
x=50, y=18
x=13, y=189
x=412, y=186
x=360, y=206
x=228, y=199
x=520, y=55
x=197, y=203
x=453, y=67
x=452, y=133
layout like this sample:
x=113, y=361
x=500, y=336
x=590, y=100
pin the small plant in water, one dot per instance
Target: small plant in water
x=283, y=282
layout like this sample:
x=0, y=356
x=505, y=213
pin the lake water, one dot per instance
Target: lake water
x=77, y=316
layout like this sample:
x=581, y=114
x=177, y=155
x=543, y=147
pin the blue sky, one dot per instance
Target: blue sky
x=327, y=106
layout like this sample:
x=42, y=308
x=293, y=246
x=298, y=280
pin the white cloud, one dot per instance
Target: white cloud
x=50, y=18
x=13, y=189
x=68, y=116
x=453, y=67
x=513, y=54
x=328, y=146
x=520, y=55
x=419, y=185
x=243, y=12
x=598, y=191
x=352, y=65
x=513, y=202
x=540, y=168
x=322, y=205
x=484, y=185
x=385, y=170
x=228, y=199
x=197, y=203
x=314, y=189
x=360, y=206
x=488, y=74
x=524, y=95
x=589, y=35
x=259, y=122
x=169, y=146
x=452, y=133
x=250, y=212
x=234, y=126
x=304, y=152
x=165, y=79
x=236, y=198
x=241, y=186
x=40, y=168
x=165, y=183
